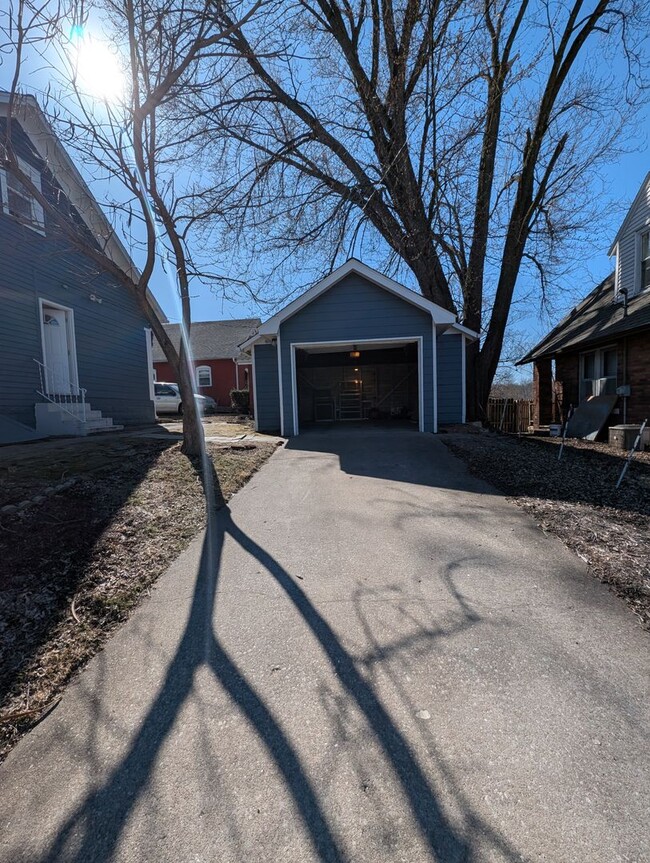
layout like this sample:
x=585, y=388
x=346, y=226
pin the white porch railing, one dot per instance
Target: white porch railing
x=72, y=402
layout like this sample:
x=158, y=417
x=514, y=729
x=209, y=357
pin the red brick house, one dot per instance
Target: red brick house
x=219, y=363
x=602, y=346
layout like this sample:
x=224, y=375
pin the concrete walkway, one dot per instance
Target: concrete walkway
x=370, y=657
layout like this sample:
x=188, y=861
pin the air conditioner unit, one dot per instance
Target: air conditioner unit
x=599, y=386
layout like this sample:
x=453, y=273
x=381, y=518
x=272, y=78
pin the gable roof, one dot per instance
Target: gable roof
x=438, y=313
x=211, y=340
x=48, y=147
x=594, y=320
x=644, y=191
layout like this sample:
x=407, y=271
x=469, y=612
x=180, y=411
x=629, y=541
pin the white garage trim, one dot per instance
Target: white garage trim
x=463, y=373
x=256, y=417
x=280, y=387
x=434, y=360
x=306, y=345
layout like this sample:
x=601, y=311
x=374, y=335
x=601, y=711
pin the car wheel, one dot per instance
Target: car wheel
x=180, y=410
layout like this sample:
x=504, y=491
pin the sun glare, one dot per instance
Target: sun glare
x=98, y=70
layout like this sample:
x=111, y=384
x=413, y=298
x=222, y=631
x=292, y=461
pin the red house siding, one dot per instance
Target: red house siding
x=226, y=376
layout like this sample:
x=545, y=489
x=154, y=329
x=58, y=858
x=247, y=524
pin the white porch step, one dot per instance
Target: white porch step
x=52, y=420
x=75, y=409
x=105, y=429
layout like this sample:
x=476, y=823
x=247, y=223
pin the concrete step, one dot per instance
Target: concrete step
x=105, y=429
x=55, y=420
x=75, y=412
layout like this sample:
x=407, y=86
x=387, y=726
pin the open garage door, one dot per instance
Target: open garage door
x=365, y=381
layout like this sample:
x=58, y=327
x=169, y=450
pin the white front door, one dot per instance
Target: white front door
x=58, y=351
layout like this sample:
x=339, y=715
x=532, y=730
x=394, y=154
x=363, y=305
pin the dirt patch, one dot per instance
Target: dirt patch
x=576, y=499
x=95, y=526
x=224, y=425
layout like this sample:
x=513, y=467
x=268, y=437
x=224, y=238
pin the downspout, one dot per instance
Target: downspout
x=625, y=378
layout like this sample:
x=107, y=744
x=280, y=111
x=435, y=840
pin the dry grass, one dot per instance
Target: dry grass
x=225, y=425
x=74, y=566
x=576, y=500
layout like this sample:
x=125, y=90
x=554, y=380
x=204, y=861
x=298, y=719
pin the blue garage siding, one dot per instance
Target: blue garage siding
x=450, y=385
x=267, y=399
x=110, y=338
x=355, y=309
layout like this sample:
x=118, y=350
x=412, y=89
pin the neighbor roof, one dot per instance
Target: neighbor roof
x=597, y=318
x=52, y=152
x=438, y=313
x=211, y=340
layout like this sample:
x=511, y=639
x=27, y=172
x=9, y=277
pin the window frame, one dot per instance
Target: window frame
x=599, y=368
x=197, y=374
x=37, y=220
x=644, y=232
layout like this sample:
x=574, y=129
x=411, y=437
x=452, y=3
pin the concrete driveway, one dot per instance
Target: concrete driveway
x=370, y=657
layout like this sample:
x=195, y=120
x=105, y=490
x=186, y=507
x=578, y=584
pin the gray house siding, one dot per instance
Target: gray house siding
x=355, y=309
x=110, y=338
x=628, y=247
x=267, y=398
x=450, y=386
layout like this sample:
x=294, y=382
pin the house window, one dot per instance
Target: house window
x=645, y=261
x=18, y=202
x=204, y=376
x=598, y=371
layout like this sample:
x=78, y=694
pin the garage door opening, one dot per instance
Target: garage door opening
x=376, y=382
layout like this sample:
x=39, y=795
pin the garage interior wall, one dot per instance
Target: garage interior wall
x=381, y=384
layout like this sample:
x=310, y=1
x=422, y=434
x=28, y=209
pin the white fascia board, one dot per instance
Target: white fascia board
x=75, y=188
x=459, y=328
x=439, y=315
x=255, y=339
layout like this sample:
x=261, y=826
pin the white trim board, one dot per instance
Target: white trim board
x=419, y=340
x=463, y=374
x=280, y=386
x=255, y=417
x=271, y=326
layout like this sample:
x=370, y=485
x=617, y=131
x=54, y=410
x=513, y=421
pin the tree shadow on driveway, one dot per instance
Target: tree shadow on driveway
x=93, y=832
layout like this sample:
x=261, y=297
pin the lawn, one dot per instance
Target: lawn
x=87, y=530
x=575, y=498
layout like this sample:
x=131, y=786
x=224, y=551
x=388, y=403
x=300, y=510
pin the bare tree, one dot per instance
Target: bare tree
x=462, y=134
x=144, y=141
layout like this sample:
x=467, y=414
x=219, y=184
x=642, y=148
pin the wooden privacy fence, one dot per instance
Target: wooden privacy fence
x=510, y=415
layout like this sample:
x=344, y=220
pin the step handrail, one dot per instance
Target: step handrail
x=64, y=401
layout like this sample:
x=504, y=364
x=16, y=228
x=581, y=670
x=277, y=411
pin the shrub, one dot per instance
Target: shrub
x=240, y=400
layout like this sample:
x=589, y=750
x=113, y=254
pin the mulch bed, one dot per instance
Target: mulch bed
x=576, y=499
x=105, y=519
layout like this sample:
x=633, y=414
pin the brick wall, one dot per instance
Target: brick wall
x=542, y=393
x=638, y=377
x=567, y=373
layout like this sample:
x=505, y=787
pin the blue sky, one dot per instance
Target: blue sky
x=616, y=184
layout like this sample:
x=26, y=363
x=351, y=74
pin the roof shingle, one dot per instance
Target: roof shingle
x=211, y=340
x=595, y=319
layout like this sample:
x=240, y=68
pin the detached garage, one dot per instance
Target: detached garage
x=358, y=346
